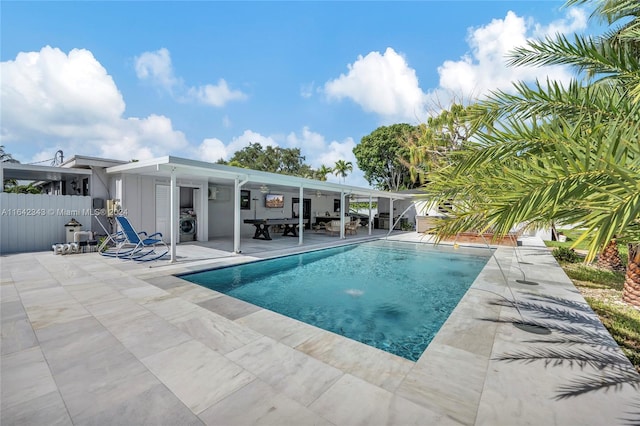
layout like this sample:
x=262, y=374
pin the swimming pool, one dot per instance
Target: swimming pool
x=394, y=296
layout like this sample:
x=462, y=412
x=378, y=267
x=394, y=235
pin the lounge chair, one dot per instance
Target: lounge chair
x=333, y=226
x=319, y=227
x=352, y=227
x=111, y=241
x=138, y=245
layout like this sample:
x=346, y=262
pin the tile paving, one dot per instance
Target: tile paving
x=94, y=340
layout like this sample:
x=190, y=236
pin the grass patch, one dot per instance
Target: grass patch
x=594, y=277
x=602, y=290
x=623, y=322
x=572, y=236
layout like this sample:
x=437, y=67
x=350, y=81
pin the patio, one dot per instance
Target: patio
x=93, y=340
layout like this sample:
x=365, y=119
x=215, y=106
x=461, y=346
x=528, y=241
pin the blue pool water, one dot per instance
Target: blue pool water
x=394, y=296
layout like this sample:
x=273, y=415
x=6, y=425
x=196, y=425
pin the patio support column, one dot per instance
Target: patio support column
x=390, y=214
x=236, y=216
x=2, y=179
x=238, y=184
x=370, y=217
x=342, y=214
x=300, y=215
x=173, y=214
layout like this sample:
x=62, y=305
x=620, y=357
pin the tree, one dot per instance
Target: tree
x=288, y=161
x=342, y=168
x=6, y=157
x=555, y=153
x=22, y=189
x=8, y=184
x=609, y=258
x=378, y=156
x=322, y=172
x=443, y=133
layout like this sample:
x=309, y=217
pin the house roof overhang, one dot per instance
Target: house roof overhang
x=31, y=172
x=86, y=162
x=222, y=174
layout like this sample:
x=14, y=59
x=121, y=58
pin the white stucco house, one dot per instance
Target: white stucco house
x=184, y=199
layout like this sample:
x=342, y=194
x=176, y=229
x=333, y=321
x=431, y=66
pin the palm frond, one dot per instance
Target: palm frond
x=539, y=101
x=586, y=54
x=609, y=11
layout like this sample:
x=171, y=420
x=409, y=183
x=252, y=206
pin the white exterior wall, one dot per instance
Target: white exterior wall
x=399, y=207
x=99, y=183
x=138, y=200
x=99, y=188
x=323, y=204
x=220, y=213
x=33, y=222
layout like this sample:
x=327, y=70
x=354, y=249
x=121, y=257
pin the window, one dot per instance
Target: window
x=245, y=199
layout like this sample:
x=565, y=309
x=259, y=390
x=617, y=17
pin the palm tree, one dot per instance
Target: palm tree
x=554, y=153
x=609, y=258
x=6, y=157
x=342, y=168
x=322, y=172
x=631, y=291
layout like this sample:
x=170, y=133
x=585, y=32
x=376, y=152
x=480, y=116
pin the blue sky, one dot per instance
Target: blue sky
x=203, y=79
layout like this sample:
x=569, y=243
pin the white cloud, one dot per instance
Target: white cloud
x=484, y=67
x=157, y=68
x=310, y=143
x=51, y=91
x=386, y=85
x=52, y=100
x=213, y=149
x=380, y=83
x=338, y=151
x=318, y=151
x=306, y=90
x=216, y=95
x=314, y=146
x=247, y=137
x=576, y=20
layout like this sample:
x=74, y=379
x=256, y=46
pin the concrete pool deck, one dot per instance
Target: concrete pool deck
x=93, y=340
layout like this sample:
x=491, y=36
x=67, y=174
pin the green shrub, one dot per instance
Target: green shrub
x=564, y=254
x=406, y=226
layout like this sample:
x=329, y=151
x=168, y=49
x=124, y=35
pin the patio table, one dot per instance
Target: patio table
x=262, y=227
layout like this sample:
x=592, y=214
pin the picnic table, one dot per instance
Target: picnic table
x=262, y=227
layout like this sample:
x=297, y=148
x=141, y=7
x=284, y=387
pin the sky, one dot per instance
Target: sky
x=203, y=79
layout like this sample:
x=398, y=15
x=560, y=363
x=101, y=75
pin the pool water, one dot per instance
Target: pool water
x=394, y=296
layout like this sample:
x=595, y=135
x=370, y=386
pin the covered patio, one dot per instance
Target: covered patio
x=174, y=172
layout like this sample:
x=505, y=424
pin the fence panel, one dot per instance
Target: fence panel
x=33, y=222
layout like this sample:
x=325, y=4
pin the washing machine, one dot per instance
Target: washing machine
x=188, y=226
